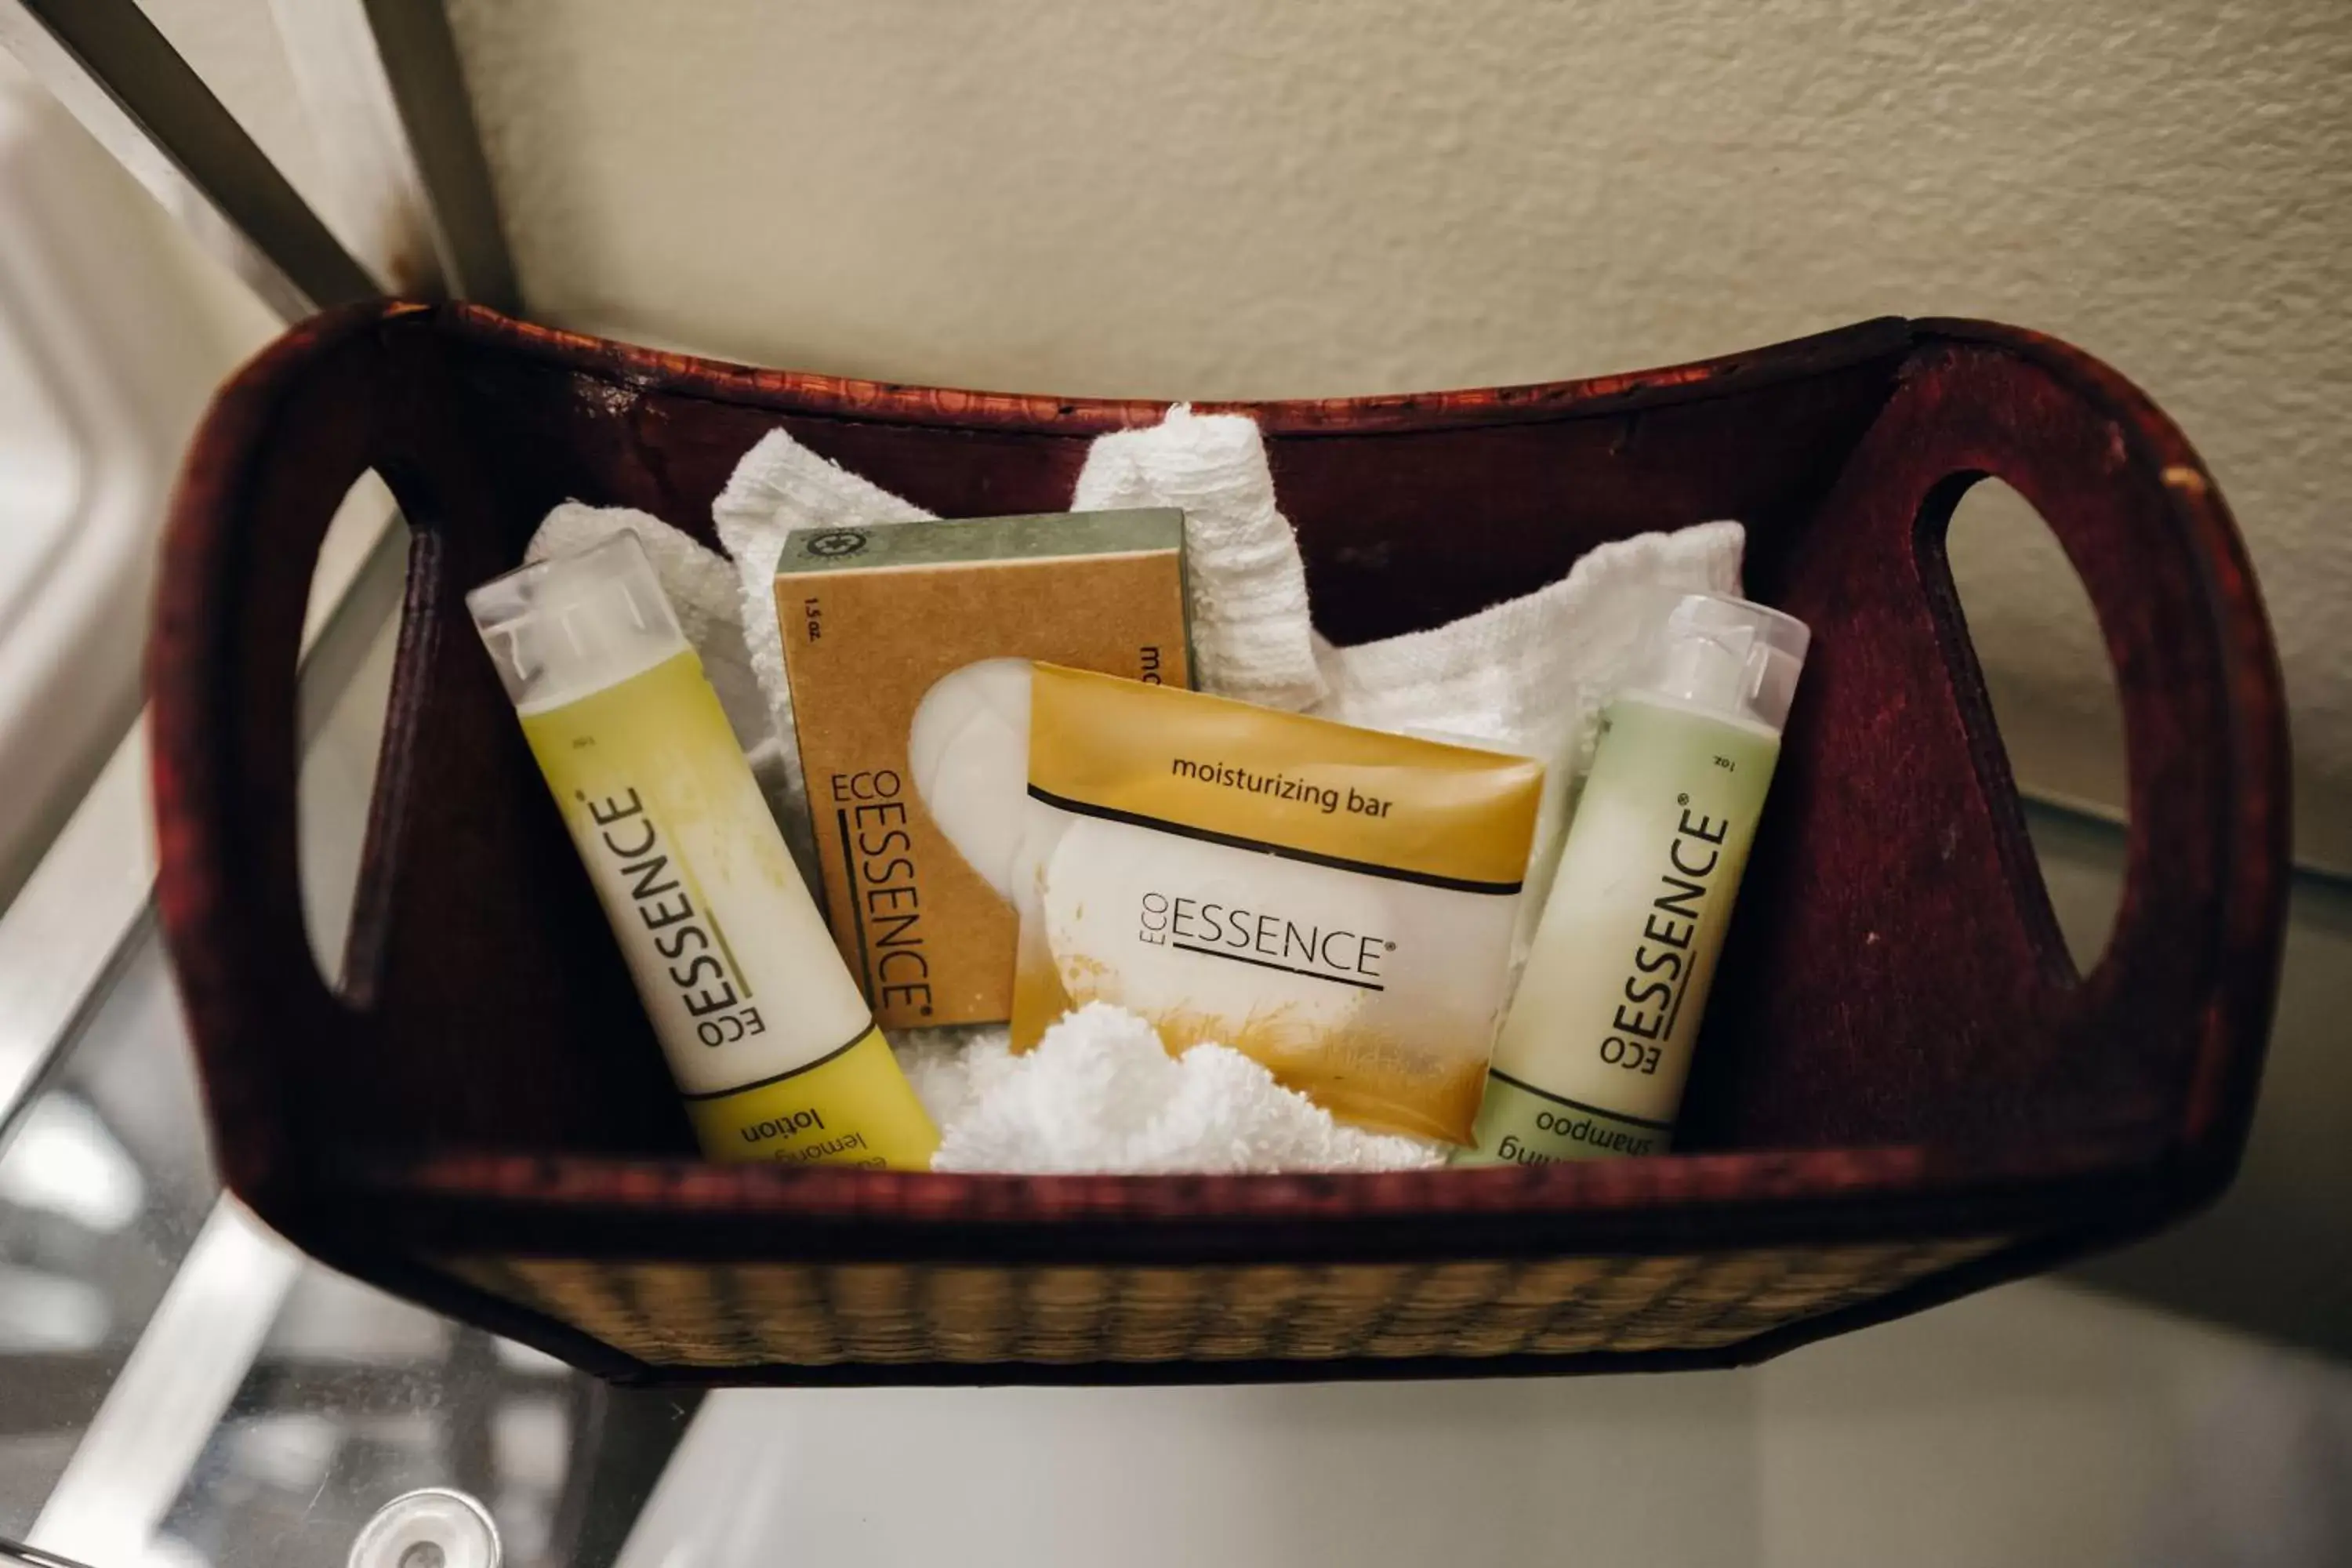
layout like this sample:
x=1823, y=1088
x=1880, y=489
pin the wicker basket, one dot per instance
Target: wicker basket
x=1904, y=1092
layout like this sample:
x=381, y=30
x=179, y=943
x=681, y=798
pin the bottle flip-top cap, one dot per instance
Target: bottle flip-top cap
x=561, y=628
x=1727, y=656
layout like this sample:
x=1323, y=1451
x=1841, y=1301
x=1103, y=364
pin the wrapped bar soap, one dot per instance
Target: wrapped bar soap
x=882, y=629
x=1335, y=903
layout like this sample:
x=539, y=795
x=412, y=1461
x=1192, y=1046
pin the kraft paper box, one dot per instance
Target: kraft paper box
x=873, y=618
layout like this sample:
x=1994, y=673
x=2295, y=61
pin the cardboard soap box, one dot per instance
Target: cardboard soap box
x=872, y=617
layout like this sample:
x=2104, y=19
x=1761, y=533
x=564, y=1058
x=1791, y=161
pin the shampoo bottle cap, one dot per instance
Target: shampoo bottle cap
x=1725, y=656
x=561, y=628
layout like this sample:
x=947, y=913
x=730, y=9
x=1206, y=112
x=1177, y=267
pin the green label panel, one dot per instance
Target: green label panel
x=1518, y=1126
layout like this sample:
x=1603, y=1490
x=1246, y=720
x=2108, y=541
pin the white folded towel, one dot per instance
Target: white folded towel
x=1527, y=675
x=1102, y=1093
x=1252, y=636
x=779, y=485
x=1530, y=675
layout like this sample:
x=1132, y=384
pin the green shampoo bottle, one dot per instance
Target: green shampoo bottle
x=1596, y=1047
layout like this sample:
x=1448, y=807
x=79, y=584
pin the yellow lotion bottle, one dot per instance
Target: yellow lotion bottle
x=768, y=1037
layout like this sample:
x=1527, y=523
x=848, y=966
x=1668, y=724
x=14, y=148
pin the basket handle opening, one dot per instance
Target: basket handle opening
x=2029, y=630
x=287, y=441
x=2193, y=952
x=349, y=739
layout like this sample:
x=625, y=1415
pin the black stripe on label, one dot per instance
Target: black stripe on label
x=1580, y=1105
x=854, y=1041
x=1236, y=841
x=1269, y=963
x=857, y=909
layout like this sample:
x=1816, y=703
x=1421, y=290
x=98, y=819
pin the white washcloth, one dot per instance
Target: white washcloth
x=1530, y=675
x=1252, y=636
x=778, y=486
x=1102, y=1093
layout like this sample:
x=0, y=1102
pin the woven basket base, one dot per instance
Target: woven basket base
x=704, y=1315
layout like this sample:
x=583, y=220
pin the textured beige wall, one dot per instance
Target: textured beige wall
x=1238, y=199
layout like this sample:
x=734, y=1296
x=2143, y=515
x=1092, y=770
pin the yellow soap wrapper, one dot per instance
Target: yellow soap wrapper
x=1335, y=903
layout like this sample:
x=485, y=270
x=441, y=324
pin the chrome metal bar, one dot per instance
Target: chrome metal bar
x=172, y=1392
x=125, y=82
x=60, y=938
x=375, y=195
x=110, y=66
x=18, y=1553
x=419, y=58
x=419, y=171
